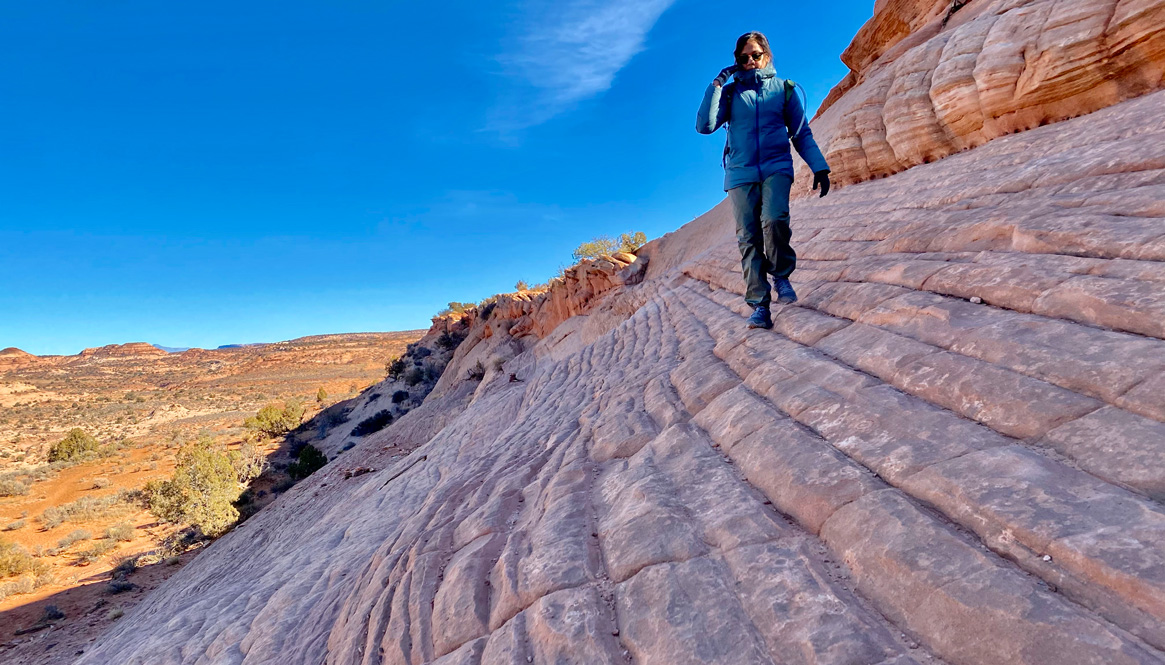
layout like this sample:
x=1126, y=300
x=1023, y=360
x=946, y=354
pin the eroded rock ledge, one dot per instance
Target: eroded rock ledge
x=919, y=91
x=476, y=342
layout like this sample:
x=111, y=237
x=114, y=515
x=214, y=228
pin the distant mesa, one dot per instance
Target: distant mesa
x=195, y=351
x=129, y=350
x=12, y=357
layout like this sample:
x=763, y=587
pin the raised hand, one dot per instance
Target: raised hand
x=724, y=75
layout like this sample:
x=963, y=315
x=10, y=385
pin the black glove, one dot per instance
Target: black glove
x=821, y=178
x=725, y=74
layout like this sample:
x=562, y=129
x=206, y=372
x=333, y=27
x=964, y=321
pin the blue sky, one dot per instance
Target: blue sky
x=197, y=174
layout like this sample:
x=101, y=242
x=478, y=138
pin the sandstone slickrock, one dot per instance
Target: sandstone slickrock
x=919, y=90
x=664, y=485
x=950, y=450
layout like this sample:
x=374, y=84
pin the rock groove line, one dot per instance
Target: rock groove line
x=926, y=507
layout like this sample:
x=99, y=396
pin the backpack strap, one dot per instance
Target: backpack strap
x=790, y=90
x=726, y=93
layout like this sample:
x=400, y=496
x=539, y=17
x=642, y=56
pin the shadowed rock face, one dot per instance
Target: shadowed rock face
x=919, y=91
x=952, y=449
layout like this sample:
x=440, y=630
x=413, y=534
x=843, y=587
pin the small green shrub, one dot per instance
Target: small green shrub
x=308, y=461
x=53, y=517
x=34, y=474
x=249, y=462
x=15, y=560
x=201, y=492
x=477, y=372
x=125, y=567
x=98, y=549
x=122, y=532
x=27, y=583
x=455, y=308
x=449, y=340
x=77, y=444
x=51, y=613
x=596, y=247
x=605, y=246
x=272, y=421
x=374, y=423
x=321, y=394
x=14, y=526
x=22, y=584
x=100, y=483
x=414, y=376
x=400, y=396
x=488, y=309
x=85, y=509
x=956, y=5
x=75, y=536
x=395, y=367
x=12, y=487
x=631, y=242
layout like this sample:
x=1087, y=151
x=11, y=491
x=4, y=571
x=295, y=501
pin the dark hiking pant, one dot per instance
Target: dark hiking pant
x=762, y=232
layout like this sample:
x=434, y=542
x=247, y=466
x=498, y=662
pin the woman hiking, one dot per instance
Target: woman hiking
x=763, y=115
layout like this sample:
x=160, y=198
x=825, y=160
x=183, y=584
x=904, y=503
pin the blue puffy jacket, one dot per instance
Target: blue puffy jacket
x=759, y=124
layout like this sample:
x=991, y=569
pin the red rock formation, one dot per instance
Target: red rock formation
x=919, y=91
x=129, y=350
x=14, y=357
x=892, y=22
x=538, y=313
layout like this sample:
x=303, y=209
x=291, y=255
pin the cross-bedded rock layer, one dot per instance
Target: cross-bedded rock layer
x=893, y=474
x=926, y=83
x=951, y=449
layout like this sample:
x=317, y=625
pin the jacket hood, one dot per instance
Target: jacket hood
x=750, y=77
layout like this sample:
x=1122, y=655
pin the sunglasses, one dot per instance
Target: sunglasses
x=745, y=57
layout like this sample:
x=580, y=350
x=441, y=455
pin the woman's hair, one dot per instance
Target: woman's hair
x=760, y=40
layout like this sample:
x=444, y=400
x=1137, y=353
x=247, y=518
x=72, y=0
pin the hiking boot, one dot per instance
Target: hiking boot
x=785, y=293
x=760, y=318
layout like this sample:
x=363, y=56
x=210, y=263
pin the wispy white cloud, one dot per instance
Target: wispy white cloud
x=468, y=207
x=571, y=51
